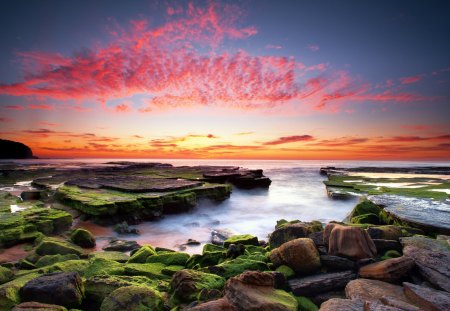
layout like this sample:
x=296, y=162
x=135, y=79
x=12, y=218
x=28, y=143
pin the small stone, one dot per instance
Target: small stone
x=37, y=306
x=83, y=238
x=389, y=270
x=31, y=195
x=337, y=304
x=427, y=298
x=192, y=242
x=121, y=246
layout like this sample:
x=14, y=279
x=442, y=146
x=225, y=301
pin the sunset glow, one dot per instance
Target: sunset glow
x=209, y=79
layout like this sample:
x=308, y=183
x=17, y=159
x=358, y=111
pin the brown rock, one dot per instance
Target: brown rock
x=387, y=270
x=393, y=302
x=352, y=242
x=221, y=304
x=252, y=297
x=432, y=258
x=378, y=306
x=371, y=290
x=319, y=283
x=337, y=304
x=257, y=278
x=385, y=245
x=287, y=233
x=388, y=232
x=427, y=298
x=299, y=254
x=37, y=306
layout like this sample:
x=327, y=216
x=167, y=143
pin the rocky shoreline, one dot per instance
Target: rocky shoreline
x=370, y=262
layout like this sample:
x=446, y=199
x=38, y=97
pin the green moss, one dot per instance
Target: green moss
x=207, y=259
x=365, y=206
x=207, y=248
x=305, y=304
x=171, y=270
x=48, y=260
x=142, y=254
x=245, y=239
x=236, y=266
x=6, y=275
x=251, y=249
x=151, y=270
x=79, y=266
x=133, y=298
x=171, y=258
x=110, y=255
x=55, y=246
x=366, y=219
x=391, y=254
x=83, y=238
x=287, y=271
x=9, y=292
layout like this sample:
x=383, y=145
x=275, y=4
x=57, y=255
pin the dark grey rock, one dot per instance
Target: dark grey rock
x=320, y=283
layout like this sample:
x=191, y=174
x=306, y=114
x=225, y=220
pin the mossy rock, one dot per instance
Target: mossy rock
x=208, y=248
x=100, y=266
x=236, y=266
x=391, y=254
x=83, y=238
x=110, y=255
x=365, y=206
x=97, y=288
x=9, y=292
x=244, y=239
x=133, y=298
x=305, y=304
x=366, y=219
x=186, y=285
x=251, y=249
x=6, y=275
x=205, y=260
x=48, y=260
x=171, y=270
x=55, y=246
x=286, y=270
x=169, y=259
x=79, y=266
x=141, y=255
x=150, y=270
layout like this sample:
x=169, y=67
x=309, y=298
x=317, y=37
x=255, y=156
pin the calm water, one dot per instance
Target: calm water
x=297, y=192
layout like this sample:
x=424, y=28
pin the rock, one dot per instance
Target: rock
x=391, y=301
x=218, y=236
x=169, y=259
x=61, y=288
x=322, y=297
x=14, y=150
x=378, y=306
x=142, y=254
x=234, y=250
x=384, y=245
x=110, y=255
x=186, y=285
x=432, y=258
x=37, y=306
x=133, y=298
x=287, y=233
x=305, y=304
x=351, y=242
x=124, y=228
x=287, y=271
x=48, y=260
x=221, y=304
x=83, y=238
x=192, y=242
x=54, y=246
x=254, y=291
x=245, y=239
x=389, y=270
x=317, y=238
x=300, y=254
x=337, y=304
x=371, y=290
x=31, y=195
x=427, y=298
x=336, y=263
x=388, y=232
x=320, y=283
x=236, y=266
x=121, y=246
x=6, y=275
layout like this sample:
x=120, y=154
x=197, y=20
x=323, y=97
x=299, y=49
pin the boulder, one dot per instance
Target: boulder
x=300, y=254
x=389, y=270
x=432, y=258
x=427, y=298
x=287, y=233
x=378, y=306
x=133, y=298
x=186, y=285
x=388, y=232
x=110, y=255
x=221, y=304
x=384, y=245
x=371, y=290
x=31, y=195
x=351, y=242
x=14, y=150
x=142, y=254
x=54, y=246
x=83, y=238
x=320, y=283
x=61, y=288
x=37, y=306
x=337, y=263
x=402, y=305
x=6, y=275
x=254, y=291
x=245, y=239
x=121, y=246
x=48, y=260
x=337, y=304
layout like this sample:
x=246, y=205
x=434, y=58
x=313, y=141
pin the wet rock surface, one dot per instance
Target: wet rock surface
x=351, y=242
x=389, y=270
x=427, y=298
x=320, y=283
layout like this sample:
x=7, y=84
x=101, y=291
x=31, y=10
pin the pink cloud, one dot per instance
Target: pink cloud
x=14, y=107
x=42, y=107
x=289, y=139
x=123, y=107
x=5, y=119
x=274, y=47
x=410, y=80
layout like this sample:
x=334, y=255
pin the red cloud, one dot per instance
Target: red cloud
x=414, y=138
x=5, y=119
x=14, y=107
x=124, y=107
x=43, y=107
x=289, y=139
x=416, y=127
x=409, y=80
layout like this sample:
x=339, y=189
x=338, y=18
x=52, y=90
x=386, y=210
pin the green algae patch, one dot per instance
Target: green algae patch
x=305, y=304
x=78, y=266
x=48, y=260
x=110, y=255
x=286, y=270
x=150, y=270
x=83, y=238
x=9, y=292
x=55, y=246
x=205, y=260
x=142, y=254
x=236, y=266
x=169, y=259
x=208, y=248
x=101, y=266
x=245, y=239
x=133, y=298
x=6, y=275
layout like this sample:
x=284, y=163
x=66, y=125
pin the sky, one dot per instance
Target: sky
x=363, y=80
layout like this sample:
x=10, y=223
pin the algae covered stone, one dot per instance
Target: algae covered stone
x=6, y=275
x=55, y=246
x=142, y=254
x=245, y=239
x=110, y=255
x=169, y=258
x=133, y=298
x=48, y=260
x=83, y=238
